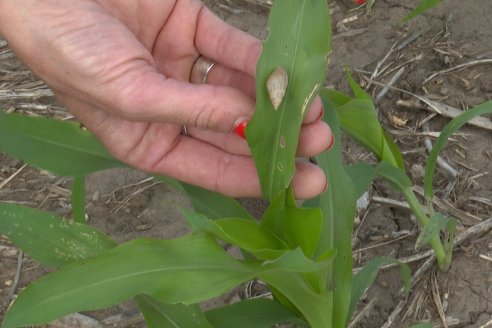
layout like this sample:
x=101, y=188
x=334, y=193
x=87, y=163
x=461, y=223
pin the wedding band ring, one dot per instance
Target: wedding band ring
x=200, y=70
x=184, y=130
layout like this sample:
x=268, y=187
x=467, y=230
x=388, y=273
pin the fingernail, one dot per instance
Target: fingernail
x=240, y=128
x=330, y=146
x=326, y=186
x=321, y=114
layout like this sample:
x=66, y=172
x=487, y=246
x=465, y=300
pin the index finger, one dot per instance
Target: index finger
x=226, y=44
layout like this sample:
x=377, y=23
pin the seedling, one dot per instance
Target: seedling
x=303, y=253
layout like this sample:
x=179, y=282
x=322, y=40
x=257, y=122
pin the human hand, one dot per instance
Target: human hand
x=122, y=67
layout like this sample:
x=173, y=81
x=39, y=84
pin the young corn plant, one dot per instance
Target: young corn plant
x=302, y=253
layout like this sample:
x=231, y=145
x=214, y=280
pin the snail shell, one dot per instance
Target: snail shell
x=276, y=86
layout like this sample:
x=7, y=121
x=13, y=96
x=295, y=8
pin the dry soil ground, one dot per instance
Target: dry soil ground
x=444, y=56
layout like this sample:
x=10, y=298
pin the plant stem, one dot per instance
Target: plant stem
x=443, y=261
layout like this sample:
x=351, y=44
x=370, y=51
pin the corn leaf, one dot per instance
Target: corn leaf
x=338, y=207
x=437, y=223
x=161, y=315
x=316, y=308
x=141, y=266
x=365, y=277
x=60, y=147
x=298, y=227
x=212, y=204
x=299, y=42
x=257, y=313
x=49, y=239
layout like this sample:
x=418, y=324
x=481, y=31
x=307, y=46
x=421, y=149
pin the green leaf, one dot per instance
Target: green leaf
x=49, y=239
x=298, y=227
x=338, y=206
x=359, y=120
x=161, y=315
x=299, y=42
x=257, y=240
x=356, y=88
x=210, y=203
x=78, y=199
x=394, y=175
x=244, y=233
x=423, y=6
x=361, y=175
x=448, y=130
x=186, y=270
x=316, y=308
x=437, y=223
x=57, y=146
x=296, y=261
x=257, y=313
x=365, y=278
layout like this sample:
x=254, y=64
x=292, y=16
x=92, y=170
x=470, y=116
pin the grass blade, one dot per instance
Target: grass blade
x=48, y=239
x=43, y=142
x=453, y=126
x=273, y=134
x=423, y=6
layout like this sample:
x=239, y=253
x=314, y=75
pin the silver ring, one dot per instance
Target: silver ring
x=184, y=130
x=200, y=70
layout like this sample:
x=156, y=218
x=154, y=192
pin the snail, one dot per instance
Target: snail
x=276, y=86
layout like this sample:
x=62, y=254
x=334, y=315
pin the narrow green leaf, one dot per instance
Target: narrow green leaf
x=210, y=203
x=296, y=261
x=161, y=315
x=299, y=42
x=57, y=146
x=142, y=266
x=423, y=6
x=336, y=98
x=338, y=206
x=448, y=130
x=437, y=223
x=316, y=308
x=48, y=239
x=78, y=199
x=356, y=88
x=365, y=278
x=358, y=119
x=257, y=313
x=394, y=175
x=257, y=240
x=244, y=233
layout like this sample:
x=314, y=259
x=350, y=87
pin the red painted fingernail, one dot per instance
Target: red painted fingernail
x=331, y=143
x=360, y=2
x=240, y=128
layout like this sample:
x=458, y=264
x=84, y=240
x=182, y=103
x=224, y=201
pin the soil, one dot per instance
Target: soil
x=125, y=204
